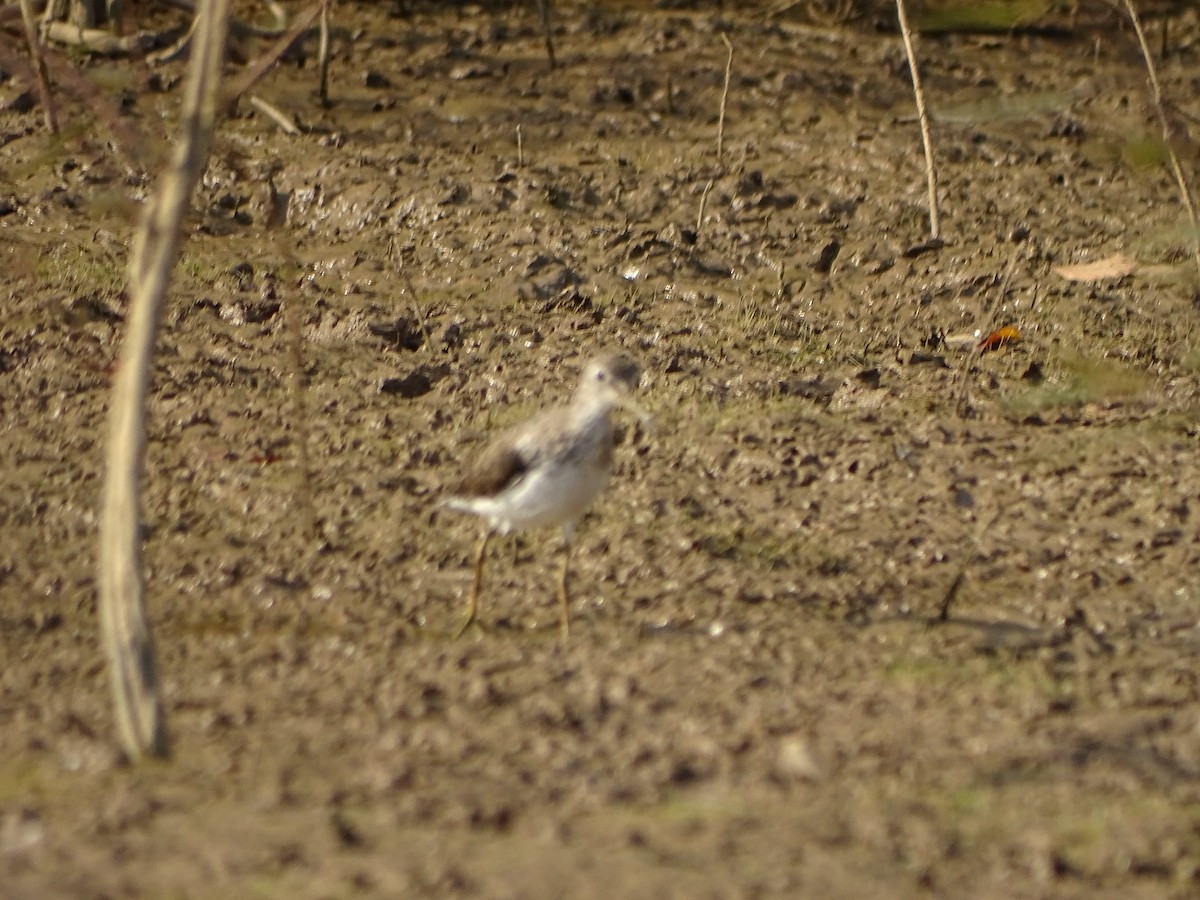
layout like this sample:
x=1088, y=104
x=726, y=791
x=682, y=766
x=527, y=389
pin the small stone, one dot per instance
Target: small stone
x=375, y=79
x=794, y=760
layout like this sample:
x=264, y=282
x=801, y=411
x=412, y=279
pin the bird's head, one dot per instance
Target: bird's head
x=611, y=380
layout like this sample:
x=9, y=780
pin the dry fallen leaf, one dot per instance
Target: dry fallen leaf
x=1117, y=266
x=998, y=338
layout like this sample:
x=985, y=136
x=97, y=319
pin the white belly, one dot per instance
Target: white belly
x=546, y=496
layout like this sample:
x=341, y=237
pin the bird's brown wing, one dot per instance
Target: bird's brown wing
x=499, y=466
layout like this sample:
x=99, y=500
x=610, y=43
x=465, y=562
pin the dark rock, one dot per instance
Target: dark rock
x=418, y=382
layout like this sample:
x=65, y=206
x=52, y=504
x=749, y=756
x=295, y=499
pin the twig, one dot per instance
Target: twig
x=724, y=97
x=175, y=51
x=935, y=225
x=293, y=323
x=55, y=9
x=1176, y=169
x=70, y=79
x=951, y=593
x=141, y=722
x=520, y=149
x=962, y=404
x=97, y=40
x=547, y=30
x=278, y=12
x=420, y=316
x=396, y=257
x=258, y=71
x=960, y=577
x=39, y=65
x=237, y=26
x=323, y=56
x=703, y=203
x=275, y=114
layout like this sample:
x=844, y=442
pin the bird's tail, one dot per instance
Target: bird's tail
x=455, y=504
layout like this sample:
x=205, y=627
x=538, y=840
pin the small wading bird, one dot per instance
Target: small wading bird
x=548, y=470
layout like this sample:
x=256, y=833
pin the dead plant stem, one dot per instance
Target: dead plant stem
x=547, y=31
x=703, y=203
x=989, y=319
x=1176, y=169
x=323, y=56
x=39, y=66
x=141, y=722
x=724, y=97
x=935, y=224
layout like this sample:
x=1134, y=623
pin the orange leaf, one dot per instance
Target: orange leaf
x=998, y=338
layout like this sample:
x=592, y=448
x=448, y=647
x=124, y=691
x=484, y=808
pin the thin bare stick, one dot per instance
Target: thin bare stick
x=97, y=40
x=39, y=65
x=275, y=114
x=547, y=30
x=1176, y=169
x=323, y=56
x=255, y=73
x=293, y=320
x=141, y=722
x=68, y=78
x=520, y=148
x=176, y=50
x=278, y=12
x=963, y=403
x=55, y=10
x=703, y=203
x=237, y=26
x=935, y=223
x=101, y=105
x=724, y=98
x=960, y=578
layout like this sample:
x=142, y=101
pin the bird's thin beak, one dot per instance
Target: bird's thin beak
x=644, y=417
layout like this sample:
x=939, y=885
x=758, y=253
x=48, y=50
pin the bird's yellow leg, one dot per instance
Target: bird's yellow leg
x=477, y=583
x=564, y=607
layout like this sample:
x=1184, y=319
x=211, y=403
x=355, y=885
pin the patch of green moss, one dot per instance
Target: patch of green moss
x=997, y=15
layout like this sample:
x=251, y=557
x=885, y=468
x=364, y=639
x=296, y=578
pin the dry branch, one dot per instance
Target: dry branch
x=140, y=719
x=175, y=50
x=963, y=404
x=703, y=204
x=237, y=26
x=97, y=40
x=1176, y=169
x=39, y=66
x=267, y=61
x=547, y=30
x=935, y=224
x=102, y=107
x=275, y=114
x=724, y=97
x=323, y=57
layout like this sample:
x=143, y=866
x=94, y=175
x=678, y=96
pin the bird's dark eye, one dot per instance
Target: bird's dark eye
x=602, y=376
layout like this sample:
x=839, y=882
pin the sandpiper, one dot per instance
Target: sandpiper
x=548, y=470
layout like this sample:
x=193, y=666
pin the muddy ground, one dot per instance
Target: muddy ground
x=866, y=614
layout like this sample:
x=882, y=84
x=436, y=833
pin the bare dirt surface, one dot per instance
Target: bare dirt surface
x=867, y=614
